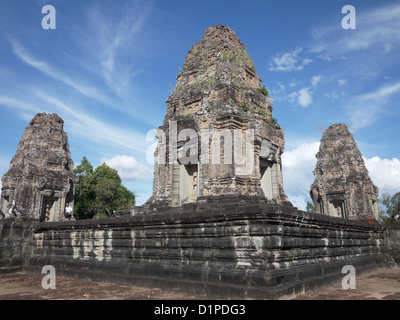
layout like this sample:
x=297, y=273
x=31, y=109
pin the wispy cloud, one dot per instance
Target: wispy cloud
x=376, y=29
x=289, y=61
x=315, y=80
x=93, y=129
x=52, y=72
x=18, y=104
x=101, y=59
x=111, y=41
x=84, y=126
x=363, y=110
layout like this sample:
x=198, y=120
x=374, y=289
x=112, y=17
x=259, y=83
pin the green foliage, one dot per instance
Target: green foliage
x=264, y=114
x=225, y=57
x=392, y=204
x=264, y=91
x=99, y=192
x=244, y=106
x=197, y=52
x=84, y=193
x=272, y=119
x=310, y=207
x=386, y=219
x=124, y=198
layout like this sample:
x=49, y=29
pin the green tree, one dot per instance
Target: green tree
x=310, y=207
x=107, y=182
x=391, y=203
x=100, y=192
x=124, y=199
x=85, y=197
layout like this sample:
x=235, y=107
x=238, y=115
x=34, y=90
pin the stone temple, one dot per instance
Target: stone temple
x=218, y=137
x=40, y=179
x=218, y=223
x=342, y=186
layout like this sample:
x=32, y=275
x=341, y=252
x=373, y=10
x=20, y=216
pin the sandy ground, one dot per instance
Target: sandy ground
x=383, y=284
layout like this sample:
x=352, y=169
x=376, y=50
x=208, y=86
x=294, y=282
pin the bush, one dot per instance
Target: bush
x=244, y=106
x=264, y=91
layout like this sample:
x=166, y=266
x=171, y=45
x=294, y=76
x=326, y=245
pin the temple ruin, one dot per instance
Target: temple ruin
x=218, y=136
x=222, y=225
x=40, y=179
x=342, y=186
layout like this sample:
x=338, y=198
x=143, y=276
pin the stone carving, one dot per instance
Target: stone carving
x=218, y=137
x=40, y=179
x=342, y=186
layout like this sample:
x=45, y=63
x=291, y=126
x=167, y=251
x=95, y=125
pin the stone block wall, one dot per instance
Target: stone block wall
x=393, y=240
x=233, y=251
x=15, y=244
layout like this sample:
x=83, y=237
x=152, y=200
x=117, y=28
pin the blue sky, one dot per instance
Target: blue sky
x=108, y=67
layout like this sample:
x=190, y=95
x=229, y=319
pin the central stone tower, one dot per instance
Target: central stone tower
x=218, y=137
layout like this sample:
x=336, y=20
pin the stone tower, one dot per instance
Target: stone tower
x=342, y=186
x=218, y=137
x=40, y=179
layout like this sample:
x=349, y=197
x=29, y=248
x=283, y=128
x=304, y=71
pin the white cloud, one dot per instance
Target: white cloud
x=292, y=96
x=129, y=169
x=334, y=95
x=342, y=82
x=281, y=86
x=315, y=80
x=325, y=57
x=290, y=61
x=304, y=99
x=385, y=174
x=298, y=165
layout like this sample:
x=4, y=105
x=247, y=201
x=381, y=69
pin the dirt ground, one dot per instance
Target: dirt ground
x=23, y=286
x=383, y=284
